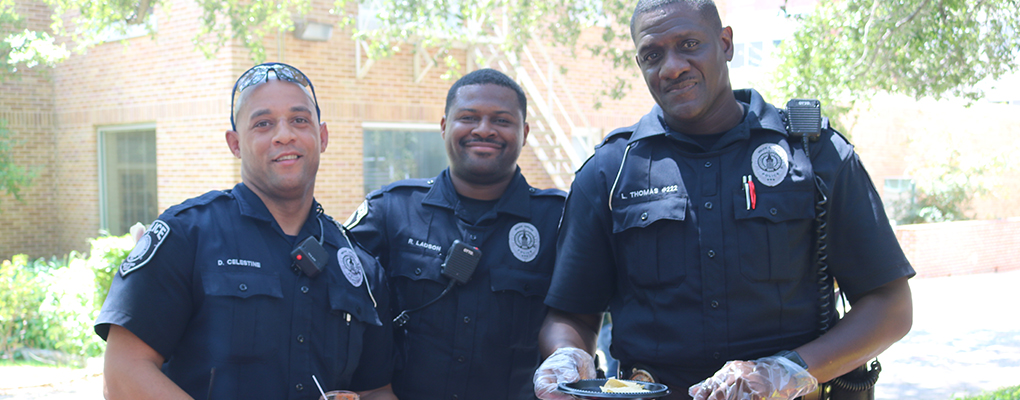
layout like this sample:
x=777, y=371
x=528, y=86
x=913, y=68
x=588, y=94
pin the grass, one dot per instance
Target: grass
x=6, y=362
x=1006, y=393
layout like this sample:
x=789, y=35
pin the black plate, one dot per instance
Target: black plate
x=591, y=389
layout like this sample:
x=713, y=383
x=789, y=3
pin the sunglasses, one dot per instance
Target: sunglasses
x=260, y=74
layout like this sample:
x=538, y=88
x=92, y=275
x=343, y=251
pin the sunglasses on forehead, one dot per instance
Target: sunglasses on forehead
x=260, y=74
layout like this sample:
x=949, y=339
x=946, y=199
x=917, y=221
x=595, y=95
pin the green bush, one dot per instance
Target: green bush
x=1006, y=393
x=52, y=304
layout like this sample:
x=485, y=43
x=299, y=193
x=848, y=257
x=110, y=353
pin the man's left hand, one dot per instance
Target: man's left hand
x=772, y=378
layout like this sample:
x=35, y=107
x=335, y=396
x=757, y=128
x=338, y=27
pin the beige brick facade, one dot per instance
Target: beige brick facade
x=168, y=84
x=57, y=114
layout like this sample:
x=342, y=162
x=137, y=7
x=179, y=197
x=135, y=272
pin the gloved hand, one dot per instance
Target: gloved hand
x=565, y=365
x=772, y=378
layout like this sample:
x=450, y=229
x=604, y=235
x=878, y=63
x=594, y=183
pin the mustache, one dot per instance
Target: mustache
x=470, y=140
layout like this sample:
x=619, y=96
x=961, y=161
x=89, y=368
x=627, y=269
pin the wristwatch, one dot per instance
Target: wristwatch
x=793, y=356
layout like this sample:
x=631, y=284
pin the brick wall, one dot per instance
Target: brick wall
x=166, y=83
x=965, y=247
x=26, y=103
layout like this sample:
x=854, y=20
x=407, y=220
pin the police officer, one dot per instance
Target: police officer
x=480, y=339
x=696, y=228
x=211, y=303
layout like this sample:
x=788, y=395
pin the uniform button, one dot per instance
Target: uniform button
x=711, y=253
x=474, y=237
x=299, y=387
x=304, y=289
x=467, y=320
x=708, y=164
x=454, y=397
x=300, y=338
x=716, y=355
x=715, y=304
x=242, y=287
x=644, y=216
x=773, y=211
x=461, y=359
x=532, y=190
x=431, y=181
x=417, y=271
x=708, y=205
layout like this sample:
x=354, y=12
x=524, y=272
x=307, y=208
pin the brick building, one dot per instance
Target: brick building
x=123, y=131
x=120, y=133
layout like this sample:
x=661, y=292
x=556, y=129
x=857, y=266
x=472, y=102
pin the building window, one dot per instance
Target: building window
x=127, y=177
x=401, y=151
x=898, y=198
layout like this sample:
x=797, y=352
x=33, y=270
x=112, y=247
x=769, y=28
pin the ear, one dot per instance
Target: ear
x=442, y=128
x=234, y=142
x=527, y=128
x=323, y=137
x=726, y=36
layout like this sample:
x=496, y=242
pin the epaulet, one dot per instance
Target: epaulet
x=417, y=183
x=618, y=133
x=839, y=141
x=199, y=201
x=553, y=192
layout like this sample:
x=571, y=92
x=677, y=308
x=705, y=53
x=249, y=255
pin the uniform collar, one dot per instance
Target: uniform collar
x=251, y=206
x=514, y=201
x=760, y=115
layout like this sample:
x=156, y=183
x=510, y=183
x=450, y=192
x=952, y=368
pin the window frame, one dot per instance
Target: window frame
x=101, y=157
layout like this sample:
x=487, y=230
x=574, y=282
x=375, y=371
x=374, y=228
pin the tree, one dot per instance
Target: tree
x=437, y=24
x=13, y=178
x=849, y=50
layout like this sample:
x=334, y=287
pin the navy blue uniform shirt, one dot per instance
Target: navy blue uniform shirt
x=665, y=235
x=480, y=341
x=210, y=285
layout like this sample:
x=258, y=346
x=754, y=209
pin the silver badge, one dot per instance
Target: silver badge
x=145, y=248
x=524, y=241
x=770, y=164
x=350, y=264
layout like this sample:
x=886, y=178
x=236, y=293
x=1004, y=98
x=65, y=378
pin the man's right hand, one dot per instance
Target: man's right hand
x=565, y=365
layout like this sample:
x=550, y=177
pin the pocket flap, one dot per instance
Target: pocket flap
x=353, y=300
x=640, y=215
x=243, y=284
x=777, y=204
x=528, y=283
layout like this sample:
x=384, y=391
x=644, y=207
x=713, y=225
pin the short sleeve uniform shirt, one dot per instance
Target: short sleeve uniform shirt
x=211, y=285
x=696, y=267
x=480, y=341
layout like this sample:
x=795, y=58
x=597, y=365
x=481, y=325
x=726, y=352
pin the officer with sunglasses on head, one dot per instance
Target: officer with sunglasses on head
x=252, y=291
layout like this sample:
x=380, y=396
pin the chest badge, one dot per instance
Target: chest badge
x=350, y=264
x=524, y=241
x=770, y=163
x=145, y=248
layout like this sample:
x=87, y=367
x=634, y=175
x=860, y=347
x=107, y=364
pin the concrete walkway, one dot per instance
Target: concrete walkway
x=965, y=340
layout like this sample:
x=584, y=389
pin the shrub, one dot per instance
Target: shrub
x=52, y=304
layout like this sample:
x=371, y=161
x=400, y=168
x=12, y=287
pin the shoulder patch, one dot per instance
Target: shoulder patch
x=356, y=217
x=145, y=248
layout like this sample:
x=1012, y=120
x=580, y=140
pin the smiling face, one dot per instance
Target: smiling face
x=682, y=55
x=278, y=140
x=484, y=131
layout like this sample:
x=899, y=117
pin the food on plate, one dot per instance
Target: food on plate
x=617, y=386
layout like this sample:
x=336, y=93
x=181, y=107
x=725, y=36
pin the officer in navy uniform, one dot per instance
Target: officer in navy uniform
x=480, y=340
x=696, y=229
x=211, y=303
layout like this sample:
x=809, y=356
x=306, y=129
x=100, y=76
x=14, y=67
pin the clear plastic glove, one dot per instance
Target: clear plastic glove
x=772, y=378
x=565, y=365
